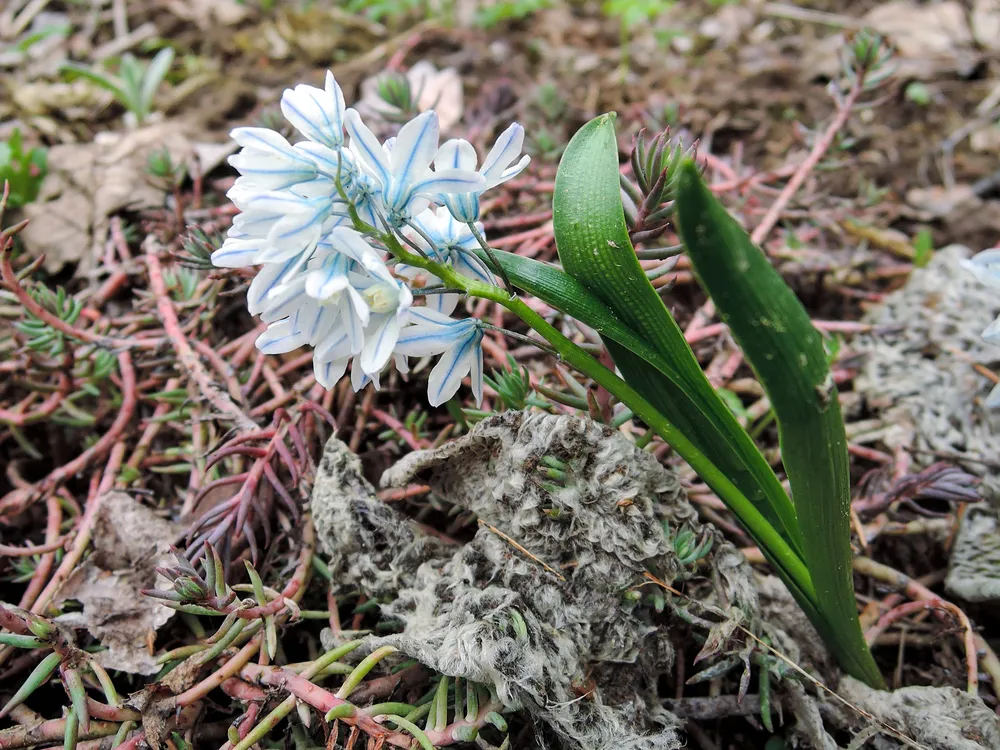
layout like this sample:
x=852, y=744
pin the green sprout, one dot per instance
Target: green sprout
x=22, y=169
x=135, y=84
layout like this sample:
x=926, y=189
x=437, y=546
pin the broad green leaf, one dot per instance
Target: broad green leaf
x=594, y=247
x=786, y=352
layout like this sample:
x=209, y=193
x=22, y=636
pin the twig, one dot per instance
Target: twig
x=16, y=501
x=212, y=391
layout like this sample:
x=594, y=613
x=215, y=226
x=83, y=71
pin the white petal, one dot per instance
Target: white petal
x=444, y=303
x=401, y=363
x=297, y=230
x=334, y=91
x=284, y=299
x=505, y=150
x=279, y=253
x=456, y=154
x=986, y=266
x=414, y=148
x=334, y=346
x=379, y=343
x=315, y=114
x=425, y=341
x=359, y=378
x=329, y=372
x=331, y=161
x=263, y=139
x=446, y=377
x=281, y=337
x=451, y=181
x=265, y=281
x=476, y=374
x=355, y=318
x=366, y=146
x=359, y=306
x=463, y=207
x=237, y=253
x=474, y=269
x=268, y=171
x=346, y=240
x=510, y=172
x=331, y=278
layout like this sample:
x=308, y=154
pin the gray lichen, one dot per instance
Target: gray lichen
x=538, y=627
x=928, y=717
x=920, y=378
x=919, y=372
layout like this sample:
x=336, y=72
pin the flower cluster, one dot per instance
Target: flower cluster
x=311, y=217
x=986, y=266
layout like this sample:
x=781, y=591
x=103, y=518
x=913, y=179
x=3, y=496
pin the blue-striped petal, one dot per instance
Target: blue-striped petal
x=427, y=340
x=237, y=253
x=269, y=277
x=450, y=181
x=446, y=376
x=329, y=161
x=412, y=154
x=366, y=146
x=281, y=337
x=328, y=372
x=505, y=150
x=316, y=113
x=268, y=171
x=470, y=265
x=464, y=207
x=456, y=154
x=379, y=342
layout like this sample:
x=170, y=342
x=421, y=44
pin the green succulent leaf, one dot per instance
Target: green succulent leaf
x=786, y=352
x=594, y=247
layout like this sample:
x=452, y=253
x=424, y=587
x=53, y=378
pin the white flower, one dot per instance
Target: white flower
x=458, y=341
x=316, y=113
x=323, y=284
x=453, y=243
x=407, y=183
x=496, y=169
x=390, y=303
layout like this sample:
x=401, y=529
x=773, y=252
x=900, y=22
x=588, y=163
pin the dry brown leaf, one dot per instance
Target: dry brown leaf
x=930, y=40
x=209, y=14
x=437, y=89
x=88, y=183
x=129, y=542
x=985, y=22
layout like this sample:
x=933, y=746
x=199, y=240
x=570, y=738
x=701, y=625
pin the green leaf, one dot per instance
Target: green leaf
x=594, y=246
x=153, y=77
x=923, y=248
x=104, y=80
x=786, y=352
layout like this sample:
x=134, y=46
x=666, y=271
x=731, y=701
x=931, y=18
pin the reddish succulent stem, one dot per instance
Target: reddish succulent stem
x=16, y=501
x=213, y=393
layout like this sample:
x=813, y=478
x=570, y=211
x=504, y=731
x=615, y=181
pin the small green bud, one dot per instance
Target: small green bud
x=190, y=589
x=496, y=720
x=394, y=89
